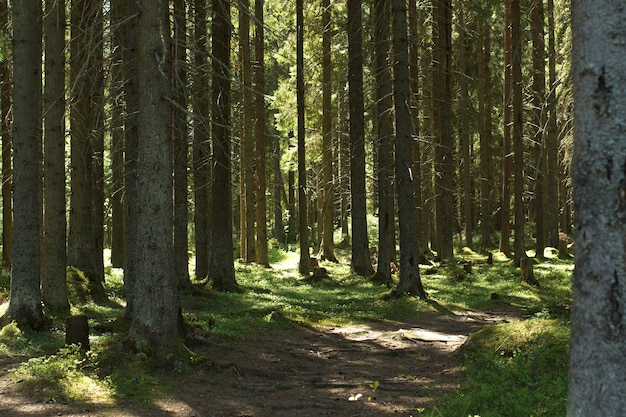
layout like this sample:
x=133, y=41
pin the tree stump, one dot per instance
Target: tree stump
x=77, y=331
x=490, y=258
x=526, y=265
x=563, y=251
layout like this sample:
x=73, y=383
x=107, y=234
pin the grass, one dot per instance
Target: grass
x=516, y=369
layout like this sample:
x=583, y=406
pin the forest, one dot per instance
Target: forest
x=304, y=208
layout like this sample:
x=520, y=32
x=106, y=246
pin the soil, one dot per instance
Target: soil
x=376, y=369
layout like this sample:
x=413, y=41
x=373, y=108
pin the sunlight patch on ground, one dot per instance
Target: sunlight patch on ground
x=290, y=262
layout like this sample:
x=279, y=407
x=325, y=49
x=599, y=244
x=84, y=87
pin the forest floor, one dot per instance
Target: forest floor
x=382, y=368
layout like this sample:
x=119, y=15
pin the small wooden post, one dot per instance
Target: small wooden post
x=77, y=331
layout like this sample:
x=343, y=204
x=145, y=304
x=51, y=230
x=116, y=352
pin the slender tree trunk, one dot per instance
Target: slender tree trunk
x=486, y=137
x=293, y=215
x=25, y=305
x=116, y=101
x=442, y=97
x=247, y=141
x=5, y=125
x=221, y=267
x=381, y=15
x=201, y=145
x=539, y=119
x=505, y=229
x=53, y=285
x=327, y=245
x=156, y=304
x=518, y=140
x=260, y=131
x=305, y=261
x=596, y=379
x=552, y=138
x=180, y=140
x=131, y=142
x=409, y=281
x=279, y=227
x=361, y=262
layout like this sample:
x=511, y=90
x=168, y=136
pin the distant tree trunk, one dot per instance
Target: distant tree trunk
x=201, y=145
x=505, y=229
x=221, y=267
x=597, y=361
x=465, y=175
x=442, y=97
x=361, y=262
x=409, y=281
x=156, y=304
x=116, y=101
x=260, y=131
x=180, y=140
x=381, y=15
x=344, y=175
x=85, y=119
x=552, y=138
x=25, y=296
x=327, y=245
x=293, y=215
x=53, y=285
x=415, y=43
x=305, y=262
x=518, y=140
x=279, y=227
x=247, y=143
x=539, y=121
x=131, y=143
x=5, y=126
x=485, y=131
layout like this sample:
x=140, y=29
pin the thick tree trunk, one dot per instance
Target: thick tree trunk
x=505, y=204
x=53, y=285
x=25, y=297
x=361, y=262
x=409, y=281
x=597, y=386
x=552, y=138
x=156, y=306
x=221, y=267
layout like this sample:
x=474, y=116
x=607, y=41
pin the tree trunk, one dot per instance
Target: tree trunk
x=539, y=122
x=518, y=139
x=442, y=97
x=116, y=101
x=5, y=125
x=552, y=138
x=327, y=245
x=25, y=296
x=201, y=145
x=279, y=227
x=180, y=140
x=596, y=379
x=53, y=284
x=156, y=304
x=361, y=262
x=505, y=204
x=260, y=131
x=221, y=267
x=384, y=132
x=303, y=235
x=409, y=281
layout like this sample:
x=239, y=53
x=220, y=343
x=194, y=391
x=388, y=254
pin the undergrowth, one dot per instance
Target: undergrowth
x=515, y=369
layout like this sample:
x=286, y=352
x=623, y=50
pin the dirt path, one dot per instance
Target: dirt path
x=378, y=369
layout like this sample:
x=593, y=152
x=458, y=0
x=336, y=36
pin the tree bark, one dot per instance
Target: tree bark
x=25, y=296
x=505, y=204
x=53, y=284
x=552, y=138
x=597, y=386
x=5, y=124
x=361, y=262
x=409, y=280
x=304, y=264
x=156, y=305
x=221, y=267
